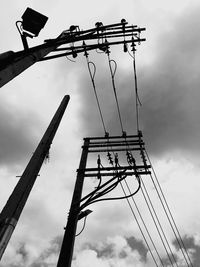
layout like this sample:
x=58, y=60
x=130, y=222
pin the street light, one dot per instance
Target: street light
x=31, y=24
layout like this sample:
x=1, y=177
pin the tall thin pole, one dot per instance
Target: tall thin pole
x=17, y=200
x=67, y=247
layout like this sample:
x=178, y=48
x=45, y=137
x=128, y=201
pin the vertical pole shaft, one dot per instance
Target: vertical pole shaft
x=17, y=200
x=67, y=247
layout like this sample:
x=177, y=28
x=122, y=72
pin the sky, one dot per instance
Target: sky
x=168, y=81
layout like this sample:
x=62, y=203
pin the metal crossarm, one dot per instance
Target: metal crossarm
x=132, y=145
x=71, y=42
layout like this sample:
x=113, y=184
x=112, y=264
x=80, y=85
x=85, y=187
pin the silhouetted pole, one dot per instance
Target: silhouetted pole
x=67, y=247
x=17, y=200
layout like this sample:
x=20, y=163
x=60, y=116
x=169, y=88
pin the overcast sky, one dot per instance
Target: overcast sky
x=168, y=68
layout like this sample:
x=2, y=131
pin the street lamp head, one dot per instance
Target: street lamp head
x=33, y=22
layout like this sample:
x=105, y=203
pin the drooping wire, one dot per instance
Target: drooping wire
x=84, y=223
x=137, y=99
x=170, y=216
x=115, y=198
x=92, y=76
x=94, y=196
x=102, y=186
x=113, y=72
x=70, y=59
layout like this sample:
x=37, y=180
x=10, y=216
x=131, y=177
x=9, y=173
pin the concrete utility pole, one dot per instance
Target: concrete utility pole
x=67, y=247
x=97, y=145
x=17, y=200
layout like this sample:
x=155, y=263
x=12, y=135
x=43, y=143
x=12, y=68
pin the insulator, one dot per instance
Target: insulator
x=85, y=51
x=99, y=161
x=73, y=28
x=125, y=47
x=106, y=134
x=107, y=51
x=140, y=133
x=110, y=158
x=133, y=45
x=98, y=24
x=116, y=159
x=128, y=157
x=123, y=21
x=74, y=54
x=98, y=175
x=124, y=134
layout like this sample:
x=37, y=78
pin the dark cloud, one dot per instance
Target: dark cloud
x=105, y=251
x=138, y=245
x=193, y=249
x=18, y=131
x=108, y=250
x=168, y=88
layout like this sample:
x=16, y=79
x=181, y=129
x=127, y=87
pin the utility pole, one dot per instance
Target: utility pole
x=137, y=166
x=14, y=63
x=66, y=251
x=17, y=200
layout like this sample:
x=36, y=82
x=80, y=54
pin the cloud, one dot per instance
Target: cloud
x=18, y=130
x=137, y=245
x=115, y=251
x=18, y=256
x=23, y=255
x=168, y=88
x=193, y=249
x=49, y=256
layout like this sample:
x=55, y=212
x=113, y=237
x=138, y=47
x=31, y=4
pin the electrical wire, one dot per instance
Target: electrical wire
x=151, y=208
x=130, y=162
x=16, y=23
x=103, y=185
x=120, y=178
x=178, y=238
x=137, y=99
x=70, y=59
x=136, y=94
x=92, y=76
x=143, y=222
x=151, y=205
x=112, y=198
x=93, y=198
x=143, y=235
x=131, y=208
x=84, y=223
x=113, y=72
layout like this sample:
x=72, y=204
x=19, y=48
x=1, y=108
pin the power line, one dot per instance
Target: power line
x=137, y=103
x=92, y=76
x=83, y=227
x=178, y=238
x=132, y=211
x=112, y=72
x=144, y=224
x=150, y=206
x=147, y=244
x=137, y=99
